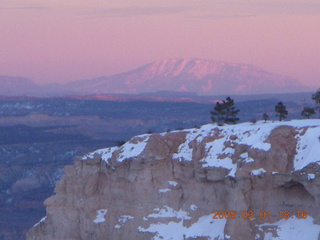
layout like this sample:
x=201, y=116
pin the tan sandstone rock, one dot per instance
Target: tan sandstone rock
x=163, y=185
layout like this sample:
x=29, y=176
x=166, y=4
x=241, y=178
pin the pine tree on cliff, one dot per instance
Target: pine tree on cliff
x=218, y=113
x=281, y=111
x=225, y=112
x=316, y=99
x=307, y=112
x=265, y=117
x=232, y=112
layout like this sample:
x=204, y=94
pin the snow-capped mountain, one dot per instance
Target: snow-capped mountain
x=246, y=181
x=190, y=75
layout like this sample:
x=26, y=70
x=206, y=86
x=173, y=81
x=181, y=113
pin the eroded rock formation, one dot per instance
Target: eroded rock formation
x=166, y=186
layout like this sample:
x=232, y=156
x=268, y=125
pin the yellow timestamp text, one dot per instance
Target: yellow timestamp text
x=248, y=214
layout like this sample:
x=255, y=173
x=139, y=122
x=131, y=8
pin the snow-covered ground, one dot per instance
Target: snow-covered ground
x=254, y=135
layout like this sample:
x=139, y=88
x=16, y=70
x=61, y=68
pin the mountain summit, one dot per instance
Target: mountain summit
x=191, y=75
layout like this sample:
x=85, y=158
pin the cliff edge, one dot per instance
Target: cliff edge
x=245, y=181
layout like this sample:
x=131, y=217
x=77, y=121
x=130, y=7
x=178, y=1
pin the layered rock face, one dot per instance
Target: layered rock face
x=261, y=179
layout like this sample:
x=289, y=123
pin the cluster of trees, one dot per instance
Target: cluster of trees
x=226, y=112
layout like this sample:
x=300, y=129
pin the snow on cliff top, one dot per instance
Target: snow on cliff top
x=254, y=135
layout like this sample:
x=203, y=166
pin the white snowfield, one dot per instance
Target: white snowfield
x=255, y=135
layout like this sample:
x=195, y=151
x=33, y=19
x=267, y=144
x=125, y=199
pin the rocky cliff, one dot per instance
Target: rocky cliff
x=246, y=181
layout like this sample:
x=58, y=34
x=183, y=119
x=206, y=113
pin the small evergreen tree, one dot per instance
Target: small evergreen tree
x=265, y=117
x=218, y=113
x=281, y=111
x=307, y=112
x=225, y=112
x=231, y=111
x=316, y=99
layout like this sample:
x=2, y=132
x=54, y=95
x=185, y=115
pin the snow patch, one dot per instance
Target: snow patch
x=168, y=212
x=214, y=157
x=173, y=183
x=246, y=158
x=219, y=154
x=42, y=220
x=205, y=227
x=258, y=171
x=164, y=190
x=100, y=216
x=106, y=154
x=130, y=150
x=311, y=176
x=193, y=207
x=244, y=155
x=184, y=151
x=292, y=228
x=308, y=147
x=122, y=220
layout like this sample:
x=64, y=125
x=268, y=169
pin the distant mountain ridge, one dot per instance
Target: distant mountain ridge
x=204, y=77
x=17, y=86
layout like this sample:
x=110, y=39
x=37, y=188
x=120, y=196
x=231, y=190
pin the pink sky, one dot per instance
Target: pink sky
x=61, y=41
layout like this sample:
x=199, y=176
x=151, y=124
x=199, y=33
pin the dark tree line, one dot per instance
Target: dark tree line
x=225, y=111
x=306, y=112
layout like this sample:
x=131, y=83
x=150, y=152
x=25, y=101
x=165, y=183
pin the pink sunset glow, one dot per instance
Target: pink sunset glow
x=61, y=41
